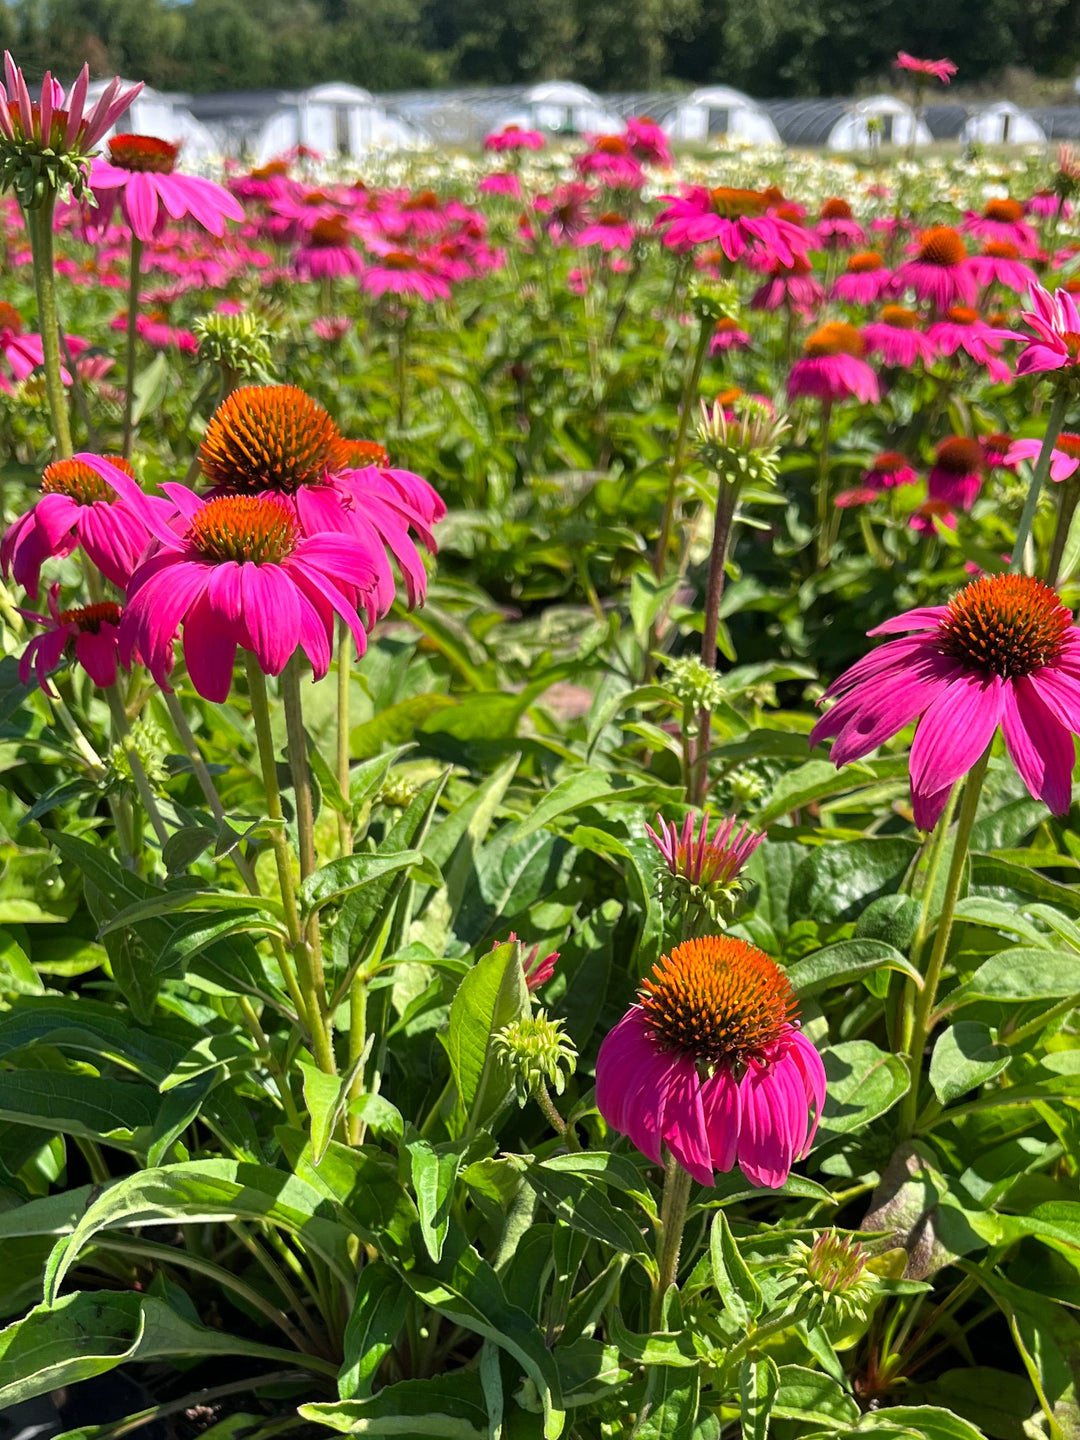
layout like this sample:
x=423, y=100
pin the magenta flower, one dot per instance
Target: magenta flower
x=1056, y=323
x=612, y=162
x=140, y=173
x=837, y=228
x=502, y=182
x=728, y=335
x=1004, y=651
x=22, y=352
x=957, y=473
x=88, y=636
x=649, y=141
x=999, y=263
x=711, y=1062
x=327, y=253
x=399, y=272
x=738, y=220
x=700, y=860
x=513, y=137
x=964, y=329
x=58, y=124
x=1064, y=458
x=77, y=507
x=832, y=367
x=611, y=231
x=940, y=270
x=865, y=279
x=896, y=336
x=538, y=969
x=236, y=572
x=889, y=470
x=942, y=70
x=790, y=287
x=1002, y=221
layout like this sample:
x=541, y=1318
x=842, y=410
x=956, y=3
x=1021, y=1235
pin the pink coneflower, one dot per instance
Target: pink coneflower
x=1064, y=458
x=331, y=328
x=77, y=507
x=399, y=272
x=941, y=270
x=140, y=173
x=889, y=470
x=611, y=161
x=859, y=495
x=611, y=231
x=832, y=367
x=728, y=335
x=513, y=137
x=956, y=476
x=566, y=210
x=1003, y=221
x=1056, y=323
x=707, y=863
x=738, y=220
x=88, y=636
x=648, y=141
x=942, y=70
x=237, y=572
x=711, y=1062
x=963, y=328
x=503, y=182
x=995, y=448
x=865, y=280
x=328, y=254
x=791, y=287
x=22, y=353
x=837, y=227
x=1046, y=203
x=538, y=968
x=153, y=329
x=897, y=337
x=1000, y=263
x=1004, y=651
x=57, y=124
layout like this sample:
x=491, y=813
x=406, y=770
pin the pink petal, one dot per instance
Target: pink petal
x=720, y=1096
x=272, y=613
x=209, y=651
x=955, y=731
x=1040, y=746
x=684, y=1121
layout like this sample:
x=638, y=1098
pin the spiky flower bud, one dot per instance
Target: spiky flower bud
x=700, y=875
x=832, y=1275
x=237, y=343
x=537, y=1053
x=150, y=744
x=741, y=444
x=713, y=299
x=694, y=685
x=1067, y=179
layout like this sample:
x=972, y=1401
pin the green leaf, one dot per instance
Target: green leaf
x=447, y=1407
x=209, y=1190
x=470, y=1294
x=393, y=725
x=17, y=975
x=87, y=1334
x=490, y=996
x=648, y=597
x=352, y=872
x=863, y=1083
x=591, y=787
x=927, y=1420
x=810, y=1395
x=1020, y=974
x=375, y=1320
x=580, y=1202
x=114, y=1111
x=671, y=1403
x=759, y=1381
x=837, y=881
x=818, y=779
x=434, y=1175
x=735, y=1285
x=965, y=1057
x=846, y=962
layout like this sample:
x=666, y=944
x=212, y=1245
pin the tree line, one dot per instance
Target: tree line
x=768, y=47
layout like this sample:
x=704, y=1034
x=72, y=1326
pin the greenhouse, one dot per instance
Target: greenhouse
x=847, y=125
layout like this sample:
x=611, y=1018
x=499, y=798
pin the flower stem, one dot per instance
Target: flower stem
x=924, y=1004
x=138, y=774
x=134, y=281
x=686, y=405
x=1070, y=494
x=1042, y=468
x=672, y=1223
x=824, y=526
x=727, y=498
x=301, y=984
x=358, y=997
x=39, y=228
x=344, y=681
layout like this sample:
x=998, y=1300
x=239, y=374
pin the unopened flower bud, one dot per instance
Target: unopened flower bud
x=239, y=343
x=713, y=299
x=741, y=444
x=700, y=874
x=696, y=686
x=537, y=1053
x=831, y=1274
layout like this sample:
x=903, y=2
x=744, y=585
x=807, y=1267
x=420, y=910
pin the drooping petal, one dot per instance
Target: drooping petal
x=209, y=651
x=955, y=731
x=1041, y=747
x=720, y=1095
x=684, y=1121
x=272, y=611
x=631, y=1077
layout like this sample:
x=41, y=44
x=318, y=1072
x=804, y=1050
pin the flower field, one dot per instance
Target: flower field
x=540, y=882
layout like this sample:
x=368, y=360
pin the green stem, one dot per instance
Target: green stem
x=925, y=1001
x=134, y=281
x=344, y=681
x=131, y=1423
x=669, y=1242
x=1069, y=496
x=142, y=784
x=358, y=997
x=727, y=498
x=305, y=827
x=1042, y=468
x=301, y=983
x=686, y=405
x=39, y=223
x=824, y=518
x=1034, y=1027
x=555, y=1120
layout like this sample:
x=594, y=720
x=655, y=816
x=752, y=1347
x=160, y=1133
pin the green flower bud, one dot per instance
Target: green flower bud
x=537, y=1053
